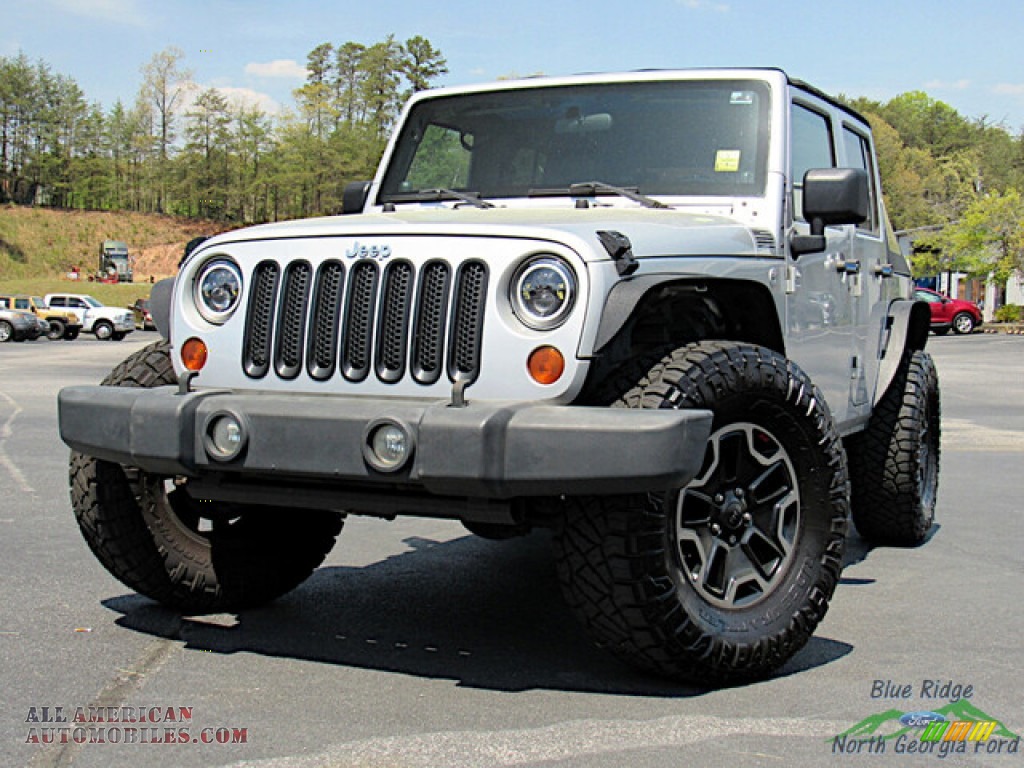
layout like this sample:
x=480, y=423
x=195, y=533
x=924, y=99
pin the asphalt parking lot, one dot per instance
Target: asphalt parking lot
x=418, y=645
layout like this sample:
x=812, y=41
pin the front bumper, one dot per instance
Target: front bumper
x=483, y=450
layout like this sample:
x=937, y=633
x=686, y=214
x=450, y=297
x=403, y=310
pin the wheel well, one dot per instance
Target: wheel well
x=670, y=314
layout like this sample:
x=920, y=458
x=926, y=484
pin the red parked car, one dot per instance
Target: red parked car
x=962, y=316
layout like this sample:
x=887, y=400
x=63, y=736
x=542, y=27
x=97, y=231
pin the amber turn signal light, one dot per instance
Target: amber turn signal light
x=193, y=354
x=546, y=365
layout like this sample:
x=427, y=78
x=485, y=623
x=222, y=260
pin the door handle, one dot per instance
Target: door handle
x=845, y=267
x=883, y=270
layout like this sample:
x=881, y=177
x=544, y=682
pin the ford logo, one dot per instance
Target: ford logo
x=375, y=252
x=921, y=719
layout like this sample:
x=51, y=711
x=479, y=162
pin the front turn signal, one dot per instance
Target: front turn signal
x=546, y=365
x=194, y=354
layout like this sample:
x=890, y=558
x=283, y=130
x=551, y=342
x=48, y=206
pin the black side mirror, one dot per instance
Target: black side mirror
x=832, y=196
x=354, y=197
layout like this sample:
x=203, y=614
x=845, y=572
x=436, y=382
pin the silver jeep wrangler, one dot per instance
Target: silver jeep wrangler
x=661, y=314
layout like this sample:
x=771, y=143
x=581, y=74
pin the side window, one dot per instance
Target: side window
x=812, y=147
x=77, y=304
x=21, y=304
x=858, y=155
x=57, y=301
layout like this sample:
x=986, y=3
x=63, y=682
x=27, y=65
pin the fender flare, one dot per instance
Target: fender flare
x=160, y=306
x=906, y=330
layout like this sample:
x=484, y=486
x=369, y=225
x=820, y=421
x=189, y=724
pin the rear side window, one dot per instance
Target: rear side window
x=858, y=155
x=812, y=147
x=57, y=301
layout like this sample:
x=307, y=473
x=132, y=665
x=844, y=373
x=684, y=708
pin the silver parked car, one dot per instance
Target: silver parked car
x=19, y=326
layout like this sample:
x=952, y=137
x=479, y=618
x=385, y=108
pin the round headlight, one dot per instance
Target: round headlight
x=542, y=292
x=217, y=290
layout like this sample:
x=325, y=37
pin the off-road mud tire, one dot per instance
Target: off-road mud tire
x=894, y=463
x=145, y=530
x=619, y=559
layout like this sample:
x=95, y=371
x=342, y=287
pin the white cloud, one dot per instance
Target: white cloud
x=235, y=96
x=1009, y=89
x=250, y=98
x=704, y=5
x=940, y=85
x=118, y=11
x=276, y=68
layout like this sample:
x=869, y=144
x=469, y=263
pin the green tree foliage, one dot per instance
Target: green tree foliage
x=988, y=239
x=173, y=150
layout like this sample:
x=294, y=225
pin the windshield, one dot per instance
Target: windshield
x=39, y=302
x=658, y=138
x=91, y=301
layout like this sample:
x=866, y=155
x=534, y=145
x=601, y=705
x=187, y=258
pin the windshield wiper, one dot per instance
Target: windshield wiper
x=590, y=188
x=473, y=198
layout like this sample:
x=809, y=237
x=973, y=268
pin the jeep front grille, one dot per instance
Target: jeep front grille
x=390, y=322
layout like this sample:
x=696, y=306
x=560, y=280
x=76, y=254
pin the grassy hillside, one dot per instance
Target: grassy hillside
x=42, y=244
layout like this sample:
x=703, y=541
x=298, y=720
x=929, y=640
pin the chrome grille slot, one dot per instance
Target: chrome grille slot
x=393, y=326
x=467, y=322
x=291, y=320
x=428, y=325
x=359, y=313
x=262, y=296
x=324, y=328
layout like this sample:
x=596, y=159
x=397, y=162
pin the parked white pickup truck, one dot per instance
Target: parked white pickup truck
x=107, y=323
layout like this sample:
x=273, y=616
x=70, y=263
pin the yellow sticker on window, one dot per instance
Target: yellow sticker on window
x=727, y=161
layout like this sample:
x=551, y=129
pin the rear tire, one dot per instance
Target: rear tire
x=71, y=334
x=894, y=463
x=726, y=578
x=191, y=555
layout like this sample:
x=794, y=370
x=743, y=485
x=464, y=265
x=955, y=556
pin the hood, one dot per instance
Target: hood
x=652, y=233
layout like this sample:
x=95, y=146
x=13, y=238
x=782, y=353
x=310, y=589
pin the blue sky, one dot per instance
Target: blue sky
x=968, y=54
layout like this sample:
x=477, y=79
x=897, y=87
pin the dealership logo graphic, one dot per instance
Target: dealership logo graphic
x=956, y=727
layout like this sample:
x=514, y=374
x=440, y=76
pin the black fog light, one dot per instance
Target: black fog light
x=388, y=446
x=224, y=437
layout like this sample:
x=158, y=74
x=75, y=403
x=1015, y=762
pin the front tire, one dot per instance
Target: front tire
x=963, y=323
x=726, y=578
x=895, y=461
x=6, y=331
x=56, y=331
x=191, y=555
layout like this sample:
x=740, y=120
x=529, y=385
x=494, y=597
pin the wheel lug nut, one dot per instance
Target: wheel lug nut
x=732, y=539
x=739, y=493
x=747, y=517
x=716, y=528
x=719, y=498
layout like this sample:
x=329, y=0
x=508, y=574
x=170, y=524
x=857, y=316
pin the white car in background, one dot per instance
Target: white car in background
x=106, y=323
